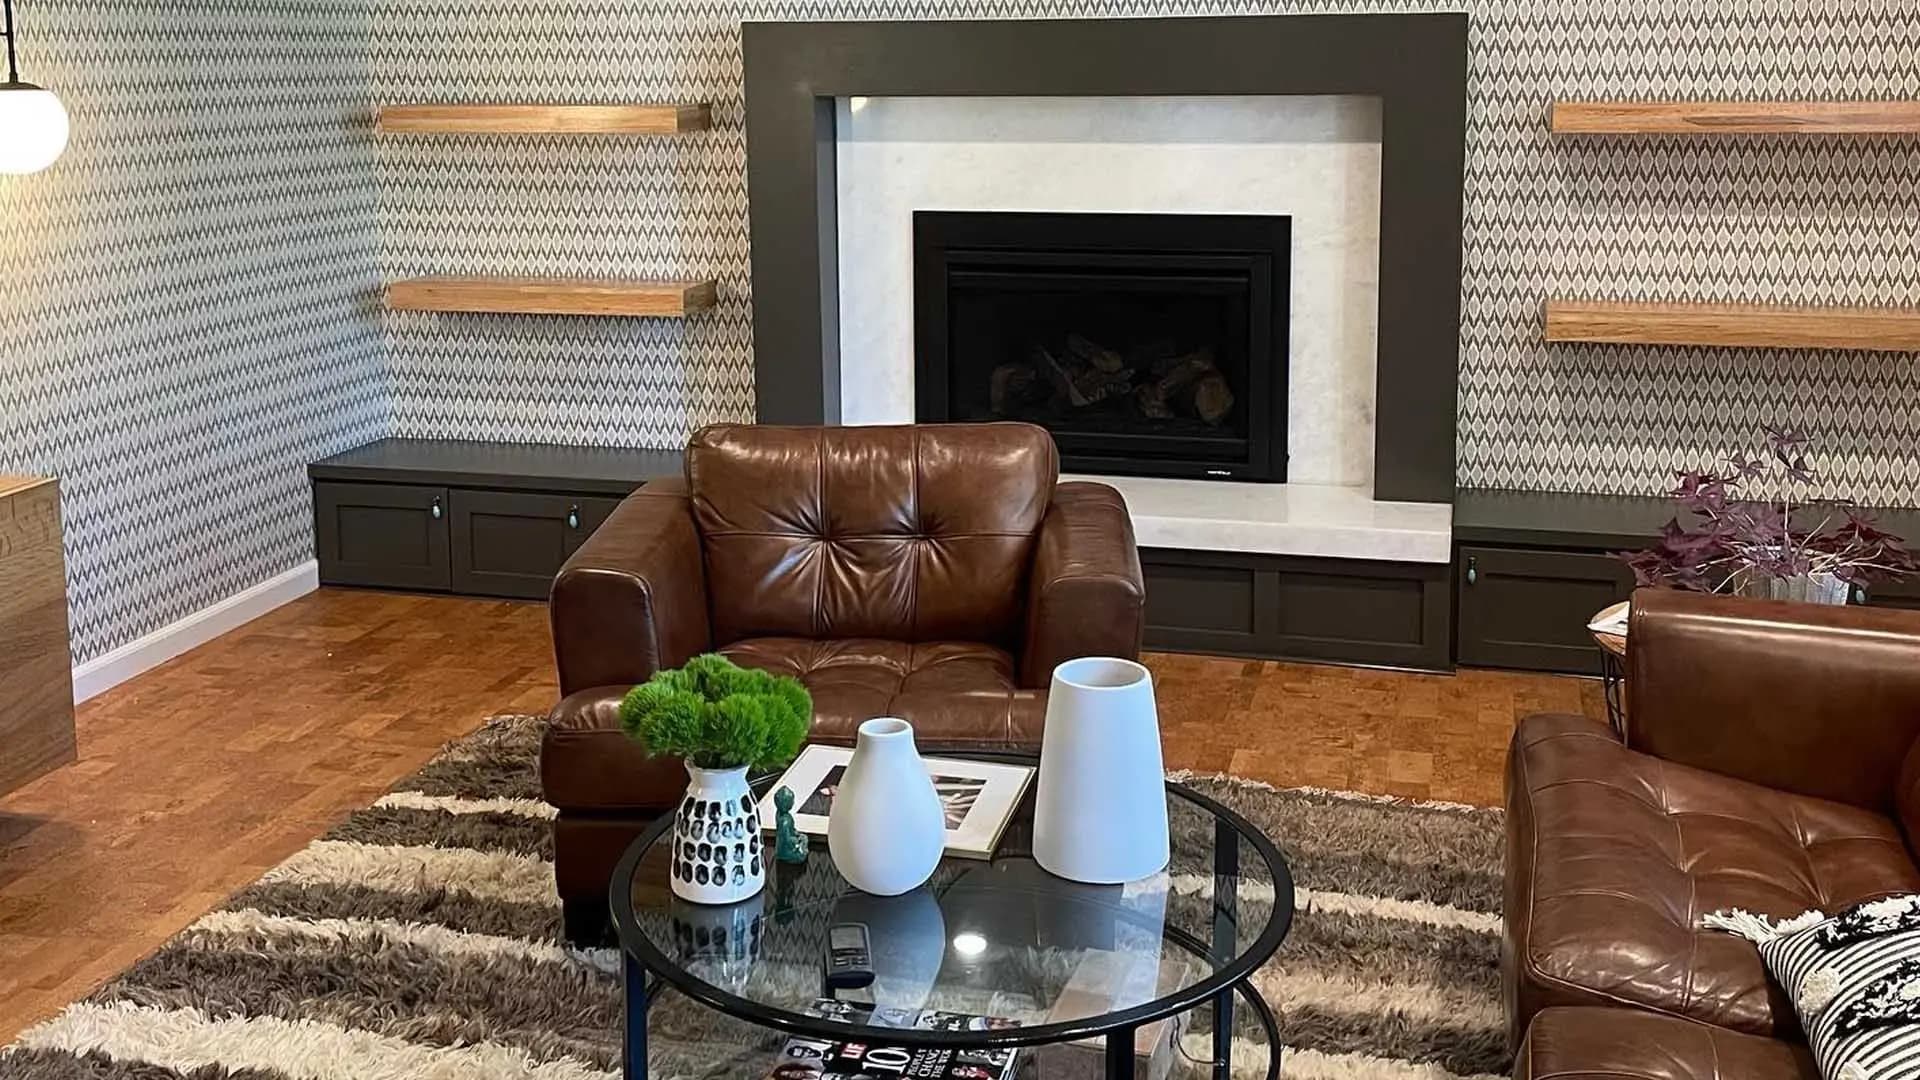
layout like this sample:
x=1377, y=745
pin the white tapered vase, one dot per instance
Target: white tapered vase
x=887, y=829
x=1100, y=813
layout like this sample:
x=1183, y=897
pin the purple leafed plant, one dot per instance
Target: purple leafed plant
x=1736, y=538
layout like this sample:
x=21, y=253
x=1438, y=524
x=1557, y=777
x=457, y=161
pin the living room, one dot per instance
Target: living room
x=1217, y=441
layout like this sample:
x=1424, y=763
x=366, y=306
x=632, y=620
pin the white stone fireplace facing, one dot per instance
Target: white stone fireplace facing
x=1315, y=159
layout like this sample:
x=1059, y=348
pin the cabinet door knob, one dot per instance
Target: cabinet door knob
x=573, y=516
x=1473, y=570
x=436, y=509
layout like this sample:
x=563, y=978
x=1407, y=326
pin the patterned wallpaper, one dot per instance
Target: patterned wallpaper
x=188, y=315
x=1790, y=220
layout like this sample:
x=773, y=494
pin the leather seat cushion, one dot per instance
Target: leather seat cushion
x=1614, y=857
x=956, y=695
x=1605, y=1044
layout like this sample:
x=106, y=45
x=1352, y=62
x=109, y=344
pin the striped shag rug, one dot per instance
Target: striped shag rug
x=420, y=939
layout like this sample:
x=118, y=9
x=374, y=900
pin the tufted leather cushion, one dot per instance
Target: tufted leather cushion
x=905, y=533
x=1624, y=1044
x=1614, y=855
x=955, y=694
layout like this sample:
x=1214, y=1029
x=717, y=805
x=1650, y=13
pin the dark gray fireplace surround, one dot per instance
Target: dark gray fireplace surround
x=1319, y=608
x=1416, y=64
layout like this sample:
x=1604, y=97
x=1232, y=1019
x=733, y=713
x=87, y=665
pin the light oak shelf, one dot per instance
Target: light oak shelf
x=1734, y=325
x=509, y=119
x=553, y=296
x=1736, y=117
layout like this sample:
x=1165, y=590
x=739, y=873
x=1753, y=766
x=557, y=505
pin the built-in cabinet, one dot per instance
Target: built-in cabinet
x=511, y=543
x=1531, y=569
x=1349, y=611
x=1529, y=609
x=489, y=519
x=389, y=535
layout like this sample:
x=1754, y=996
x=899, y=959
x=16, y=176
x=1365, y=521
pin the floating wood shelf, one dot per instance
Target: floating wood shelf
x=1734, y=325
x=553, y=296
x=1736, y=117
x=544, y=119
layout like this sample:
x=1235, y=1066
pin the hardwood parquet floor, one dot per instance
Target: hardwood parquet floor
x=199, y=775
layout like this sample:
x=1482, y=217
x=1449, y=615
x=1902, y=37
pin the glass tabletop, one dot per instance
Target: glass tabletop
x=989, y=951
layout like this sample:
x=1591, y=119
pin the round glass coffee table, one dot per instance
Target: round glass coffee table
x=1032, y=959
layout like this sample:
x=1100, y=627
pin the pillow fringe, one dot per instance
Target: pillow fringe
x=1758, y=928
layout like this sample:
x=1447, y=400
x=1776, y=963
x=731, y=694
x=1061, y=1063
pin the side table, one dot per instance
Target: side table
x=1613, y=658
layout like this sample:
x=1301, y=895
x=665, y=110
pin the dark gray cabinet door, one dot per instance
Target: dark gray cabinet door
x=390, y=535
x=1286, y=607
x=1894, y=594
x=511, y=543
x=1530, y=609
x=1201, y=605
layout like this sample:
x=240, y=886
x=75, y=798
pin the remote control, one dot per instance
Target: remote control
x=849, y=956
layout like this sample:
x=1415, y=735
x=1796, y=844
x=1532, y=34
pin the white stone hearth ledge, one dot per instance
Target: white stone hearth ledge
x=1321, y=520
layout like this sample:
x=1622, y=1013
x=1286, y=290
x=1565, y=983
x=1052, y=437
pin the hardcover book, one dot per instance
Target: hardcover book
x=979, y=796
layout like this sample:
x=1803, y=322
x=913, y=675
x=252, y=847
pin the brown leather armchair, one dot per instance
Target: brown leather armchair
x=937, y=573
x=1769, y=763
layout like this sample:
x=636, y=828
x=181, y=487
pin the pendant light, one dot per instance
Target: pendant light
x=33, y=123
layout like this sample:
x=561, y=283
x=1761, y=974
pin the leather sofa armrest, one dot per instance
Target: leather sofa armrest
x=1086, y=596
x=633, y=599
x=1816, y=699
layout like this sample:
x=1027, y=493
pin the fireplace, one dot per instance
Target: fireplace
x=1150, y=344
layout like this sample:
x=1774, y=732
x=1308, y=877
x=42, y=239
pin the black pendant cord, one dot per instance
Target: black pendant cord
x=13, y=67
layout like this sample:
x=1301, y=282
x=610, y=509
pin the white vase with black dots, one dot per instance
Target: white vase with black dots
x=717, y=856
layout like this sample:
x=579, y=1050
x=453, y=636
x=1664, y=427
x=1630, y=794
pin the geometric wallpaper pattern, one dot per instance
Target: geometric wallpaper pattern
x=191, y=305
x=188, y=311
x=1744, y=218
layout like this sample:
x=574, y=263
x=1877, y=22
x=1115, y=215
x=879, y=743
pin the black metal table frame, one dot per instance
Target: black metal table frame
x=1117, y=1029
x=1613, y=686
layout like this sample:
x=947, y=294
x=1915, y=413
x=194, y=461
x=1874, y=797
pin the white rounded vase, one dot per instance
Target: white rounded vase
x=716, y=839
x=886, y=829
x=1100, y=810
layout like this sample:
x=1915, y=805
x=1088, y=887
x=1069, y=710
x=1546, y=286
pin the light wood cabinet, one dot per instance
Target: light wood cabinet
x=36, y=663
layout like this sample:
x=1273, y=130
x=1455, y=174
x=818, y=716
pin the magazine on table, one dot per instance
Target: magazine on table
x=979, y=796
x=829, y=1059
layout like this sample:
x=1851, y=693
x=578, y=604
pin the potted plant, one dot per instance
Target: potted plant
x=722, y=719
x=1779, y=543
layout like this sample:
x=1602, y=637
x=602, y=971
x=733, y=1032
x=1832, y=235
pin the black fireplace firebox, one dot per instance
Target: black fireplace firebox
x=1149, y=344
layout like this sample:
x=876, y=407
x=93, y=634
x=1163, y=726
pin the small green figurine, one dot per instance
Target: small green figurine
x=788, y=845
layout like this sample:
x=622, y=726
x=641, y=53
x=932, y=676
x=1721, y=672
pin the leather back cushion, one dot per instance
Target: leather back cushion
x=1816, y=699
x=914, y=533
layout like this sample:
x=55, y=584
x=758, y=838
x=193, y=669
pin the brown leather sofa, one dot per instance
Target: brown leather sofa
x=1769, y=763
x=936, y=573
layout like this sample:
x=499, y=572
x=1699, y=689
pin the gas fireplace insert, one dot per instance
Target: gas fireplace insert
x=1149, y=344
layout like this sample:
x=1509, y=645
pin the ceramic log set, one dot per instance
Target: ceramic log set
x=887, y=828
x=1100, y=814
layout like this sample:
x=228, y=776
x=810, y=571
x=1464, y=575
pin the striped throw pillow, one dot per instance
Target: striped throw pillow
x=1854, y=980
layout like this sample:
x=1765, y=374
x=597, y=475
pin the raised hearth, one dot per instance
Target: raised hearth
x=1148, y=344
x=1314, y=520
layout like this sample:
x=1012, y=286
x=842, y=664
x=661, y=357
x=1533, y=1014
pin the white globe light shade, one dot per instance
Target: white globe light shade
x=33, y=128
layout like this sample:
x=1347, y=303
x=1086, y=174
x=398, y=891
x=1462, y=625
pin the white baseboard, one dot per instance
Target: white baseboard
x=111, y=669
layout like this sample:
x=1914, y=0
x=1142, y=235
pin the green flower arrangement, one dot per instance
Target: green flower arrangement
x=719, y=715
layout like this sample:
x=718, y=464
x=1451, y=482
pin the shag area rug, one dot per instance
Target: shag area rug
x=421, y=939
